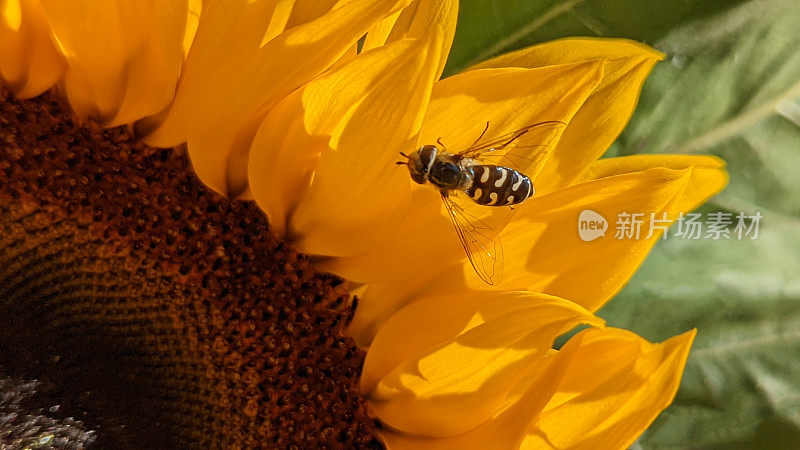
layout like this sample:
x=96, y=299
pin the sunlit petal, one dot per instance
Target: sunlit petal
x=358, y=194
x=460, y=107
x=192, y=22
x=708, y=177
x=305, y=106
x=443, y=374
x=230, y=80
x=379, y=32
x=378, y=301
x=604, y=114
x=506, y=430
x=616, y=386
x=601, y=390
x=292, y=137
x=418, y=21
x=544, y=251
x=304, y=11
x=506, y=99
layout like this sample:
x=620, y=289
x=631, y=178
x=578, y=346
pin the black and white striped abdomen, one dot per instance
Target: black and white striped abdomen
x=498, y=186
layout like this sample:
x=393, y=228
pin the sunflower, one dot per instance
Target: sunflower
x=235, y=339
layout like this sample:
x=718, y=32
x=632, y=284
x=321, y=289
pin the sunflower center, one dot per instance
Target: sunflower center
x=159, y=313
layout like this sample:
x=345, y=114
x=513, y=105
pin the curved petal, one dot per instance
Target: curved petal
x=509, y=99
x=417, y=22
x=601, y=390
x=605, y=113
x=439, y=374
x=544, y=251
x=304, y=11
x=379, y=32
x=231, y=80
x=290, y=140
x=616, y=386
x=708, y=178
x=358, y=194
x=570, y=50
x=192, y=22
x=377, y=302
x=123, y=58
x=506, y=430
x=29, y=61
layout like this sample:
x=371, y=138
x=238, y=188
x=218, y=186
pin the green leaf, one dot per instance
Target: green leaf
x=744, y=299
x=731, y=87
x=488, y=28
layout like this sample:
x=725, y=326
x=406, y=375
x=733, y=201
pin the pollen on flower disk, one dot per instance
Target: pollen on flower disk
x=174, y=315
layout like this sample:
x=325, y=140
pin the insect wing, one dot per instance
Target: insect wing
x=479, y=241
x=524, y=150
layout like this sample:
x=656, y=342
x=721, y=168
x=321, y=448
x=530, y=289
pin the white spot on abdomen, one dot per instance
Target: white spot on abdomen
x=485, y=174
x=492, y=198
x=510, y=200
x=518, y=184
x=477, y=194
x=502, y=179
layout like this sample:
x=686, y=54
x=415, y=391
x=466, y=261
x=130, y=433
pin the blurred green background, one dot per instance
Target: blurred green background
x=730, y=86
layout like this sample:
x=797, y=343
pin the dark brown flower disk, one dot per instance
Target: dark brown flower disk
x=159, y=314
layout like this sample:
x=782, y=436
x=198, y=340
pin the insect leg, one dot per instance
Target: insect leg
x=481, y=136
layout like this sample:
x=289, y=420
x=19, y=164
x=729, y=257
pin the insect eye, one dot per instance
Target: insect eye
x=427, y=154
x=418, y=171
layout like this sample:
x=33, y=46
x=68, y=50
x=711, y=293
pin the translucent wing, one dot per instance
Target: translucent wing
x=524, y=150
x=483, y=249
x=512, y=139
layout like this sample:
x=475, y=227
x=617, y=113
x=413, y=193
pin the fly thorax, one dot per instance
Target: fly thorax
x=446, y=174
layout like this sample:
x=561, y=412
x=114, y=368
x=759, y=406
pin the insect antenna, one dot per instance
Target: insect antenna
x=403, y=163
x=439, y=141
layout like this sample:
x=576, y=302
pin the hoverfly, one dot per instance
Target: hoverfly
x=469, y=171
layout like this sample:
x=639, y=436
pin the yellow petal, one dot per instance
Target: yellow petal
x=542, y=248
x=600, y=391
x=708, y=177
x=123, y=58
x=507, y=429
x=438, y=374
x=604, y=114
x=545, y=253
x=358, y=194
x=616, y=386
x=570, y=50
x=304, y=11
x=379, y=32
x=294, y=134
x=29, y=61
x=507, y=99
x=460, y=107
x=230, y=80
x=377, y=302
x=192, y=22
x=418, y=21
